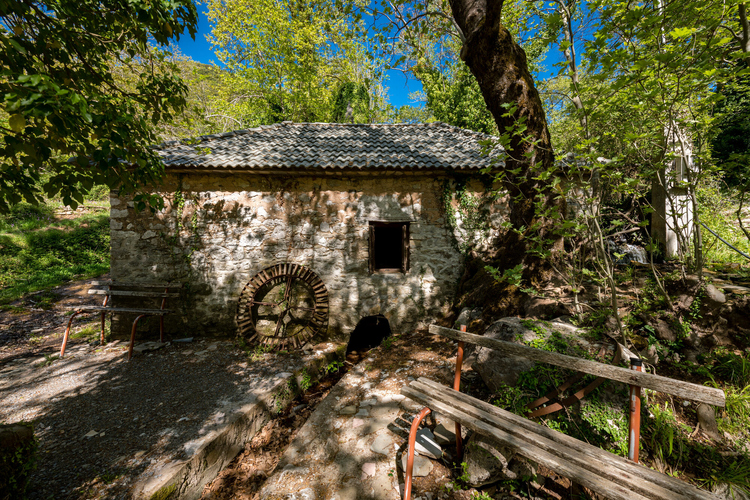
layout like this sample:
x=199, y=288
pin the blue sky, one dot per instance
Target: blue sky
x=200, y=50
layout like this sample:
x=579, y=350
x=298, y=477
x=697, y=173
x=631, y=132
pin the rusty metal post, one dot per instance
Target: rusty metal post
x=634, y=435
x=67, y=332
x=412, y=446
x=132, y=335
x=457, y=387
x=104, y=315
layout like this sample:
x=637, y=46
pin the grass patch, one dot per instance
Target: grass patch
x=91, y=331
x=38, y=252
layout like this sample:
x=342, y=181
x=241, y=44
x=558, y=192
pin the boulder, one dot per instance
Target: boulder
x=487, y=461
x=664, y=331
x=497, y=369
x=537, y=307
x=17, y=458
x=707, y=419
x=714, y=297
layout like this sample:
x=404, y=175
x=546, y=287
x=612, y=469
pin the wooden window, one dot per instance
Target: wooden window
x=389, y=247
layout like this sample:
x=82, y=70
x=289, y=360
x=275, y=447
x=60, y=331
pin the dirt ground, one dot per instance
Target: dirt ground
x=75, y=466
x=103, y=423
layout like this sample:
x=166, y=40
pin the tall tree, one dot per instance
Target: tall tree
x=501, y=69
x=70, y=123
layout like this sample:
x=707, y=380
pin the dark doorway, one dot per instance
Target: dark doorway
x=369, y=333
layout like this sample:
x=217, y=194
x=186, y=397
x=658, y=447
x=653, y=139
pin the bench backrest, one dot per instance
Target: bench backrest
x=667, y=385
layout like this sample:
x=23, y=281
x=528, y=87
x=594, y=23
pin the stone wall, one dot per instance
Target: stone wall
x=218, y=230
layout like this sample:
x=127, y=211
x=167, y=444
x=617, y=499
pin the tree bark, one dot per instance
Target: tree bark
x=499, y=65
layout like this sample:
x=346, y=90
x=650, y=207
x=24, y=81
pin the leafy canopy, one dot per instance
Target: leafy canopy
x=67, y=121
x=293, y=60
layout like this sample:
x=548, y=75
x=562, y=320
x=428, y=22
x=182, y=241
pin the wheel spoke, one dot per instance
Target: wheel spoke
x=279, y=324
x=256, y=302
x=288, y=291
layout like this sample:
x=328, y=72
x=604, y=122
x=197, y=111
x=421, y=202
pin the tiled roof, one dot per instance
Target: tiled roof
x=332, y=146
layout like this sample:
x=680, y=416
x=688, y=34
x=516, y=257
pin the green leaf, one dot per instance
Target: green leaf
x=681, y=32
x=17, y=123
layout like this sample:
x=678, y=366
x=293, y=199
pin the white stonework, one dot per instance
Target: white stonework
x=234, y=225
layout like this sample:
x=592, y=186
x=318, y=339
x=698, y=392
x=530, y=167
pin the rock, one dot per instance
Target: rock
x=468, y=315
x=90, y=434
x=526, y=471
x=149, y=346
x=348, y=410
x=422, y=466
x=487, y=461
x=368, y=469
x=684, y=301
x=497, y=369
x=707, y=419
x=664, y=331
x=363, y=412
x=713, y=296
x=426, y=444
x=725, y=491
x=382, y=445
x=17, y=449
x=536, y=307
x=652, y=354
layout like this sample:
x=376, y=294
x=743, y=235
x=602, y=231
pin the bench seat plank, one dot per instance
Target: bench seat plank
x=563, y=466
x=156, y=312
x=686, y=390
x=135, y=284
x=132, y=293
x=580, y=460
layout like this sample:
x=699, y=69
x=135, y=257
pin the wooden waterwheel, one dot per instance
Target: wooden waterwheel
x=283, y=306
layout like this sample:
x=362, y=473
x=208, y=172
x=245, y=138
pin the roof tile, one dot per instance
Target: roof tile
x=333, y=145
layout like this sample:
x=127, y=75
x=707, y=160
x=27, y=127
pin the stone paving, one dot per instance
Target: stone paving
x=350, y=446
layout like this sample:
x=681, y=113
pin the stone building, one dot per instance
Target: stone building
x=361, y=207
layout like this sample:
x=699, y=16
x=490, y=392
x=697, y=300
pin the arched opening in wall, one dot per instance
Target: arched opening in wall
x=369, y=333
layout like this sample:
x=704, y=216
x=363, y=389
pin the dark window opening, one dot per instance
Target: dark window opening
x=369, y=333
x=389, y=246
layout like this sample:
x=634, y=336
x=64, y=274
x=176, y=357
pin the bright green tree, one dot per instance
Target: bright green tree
x=70, y=122
x=290, y=59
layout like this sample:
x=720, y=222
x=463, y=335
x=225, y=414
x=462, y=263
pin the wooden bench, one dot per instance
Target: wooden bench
x=601, y=471
x=123, y=289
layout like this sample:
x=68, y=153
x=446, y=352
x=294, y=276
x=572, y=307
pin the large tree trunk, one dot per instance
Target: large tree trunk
x=499, y=65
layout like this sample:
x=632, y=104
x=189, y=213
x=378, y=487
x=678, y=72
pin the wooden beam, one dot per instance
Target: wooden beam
x=134, y=284
x=587, y=455
x=679, y=388
x=154, y=312
x=132, y=293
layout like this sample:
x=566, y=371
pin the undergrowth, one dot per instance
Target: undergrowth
x=667, y=442
x=39, y=251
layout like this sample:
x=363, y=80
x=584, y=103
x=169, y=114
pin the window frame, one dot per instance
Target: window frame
x=405, y=246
